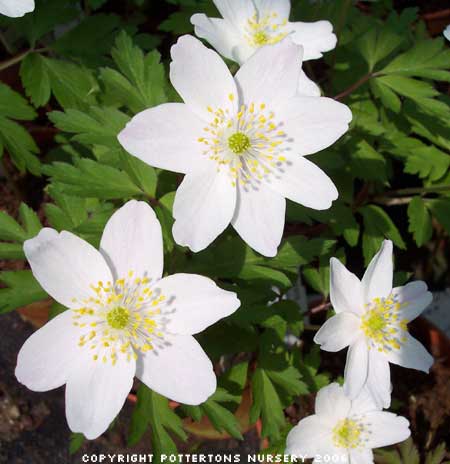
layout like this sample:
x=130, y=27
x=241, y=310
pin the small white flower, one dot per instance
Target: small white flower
x=447, y=32
x=16, y=8
x=123, y=320
x=371, y=318
x=241, y=143
x=345, y=431
x=248, y=25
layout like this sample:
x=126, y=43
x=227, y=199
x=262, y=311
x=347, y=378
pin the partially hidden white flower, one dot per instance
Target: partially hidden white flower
x=123, y=320
x=248, y=25
x=240, y=141
x=16, y=8
x=344, y=430
x=371, y=318
x=447, y=32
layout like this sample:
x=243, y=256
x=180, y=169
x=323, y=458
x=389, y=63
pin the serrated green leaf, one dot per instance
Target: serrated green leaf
x=35, y=79
x=419, y=221
x=267, y=405
x=21, y=289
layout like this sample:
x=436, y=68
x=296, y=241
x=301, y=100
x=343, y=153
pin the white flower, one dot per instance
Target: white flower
x=240, y=141
x=248, y=25
x=124, y=320
x=447, y=32
x=371, y=318
x=16, y=8
x=345, y=431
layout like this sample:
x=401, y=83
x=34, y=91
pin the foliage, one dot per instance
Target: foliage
x=87, y=72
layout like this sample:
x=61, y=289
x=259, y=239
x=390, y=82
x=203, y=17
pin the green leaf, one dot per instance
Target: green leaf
x=221, y=418
x=14, y=106
x=73, y=86
x=145, y=74
x=21, y=289
x=154, y=410
x=367, y=163
x=428, y=58
x=76, y=442
x=267, y=405
x=388, y=98
x=377, y=226
x=419, y=221
x=91, y=179
x=11, y=251
x=97, y=126
x=35, y=79
x=10, y=229
x=441, y=209
x=29, y=220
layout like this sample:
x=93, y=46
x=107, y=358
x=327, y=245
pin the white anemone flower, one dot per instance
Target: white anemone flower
x=240, y=141
x=16, y=8
x=345, y=431
x=371, y=318
x=123, y=320
x=248, y=25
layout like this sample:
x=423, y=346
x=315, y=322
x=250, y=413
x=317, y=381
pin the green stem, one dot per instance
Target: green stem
x=419, y=190
x=18, y=58
x=5, y=43
x=356, y=86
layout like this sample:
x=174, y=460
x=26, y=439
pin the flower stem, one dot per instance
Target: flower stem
x=356, y=86
x=18, y=58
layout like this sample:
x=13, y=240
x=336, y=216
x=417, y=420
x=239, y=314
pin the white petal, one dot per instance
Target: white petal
x=447, y=32
x=132, y=241
x=309, y=438
x=259, y=218
x=271, y=74
x=307, y=87
x=364, y=403
x=219, y=33
x=316, y=38
x=65, y=265
x=47, y=357
x=201, y=78
x=414, y=298
x=377, y=280
x=356, y=368
x=312, y=123
x=361, y=456
x=281, y=7
x=235, y=12
x=96, y=392
x=345, y=289
x=338, y=332
x=386, y=429
x=332, y=404
x=301, y=181
x=379, y=379
x=412, y=354
x=180, y=371
x=195, y=302
x=165, y=137
x=16, y=8
x=204, y=206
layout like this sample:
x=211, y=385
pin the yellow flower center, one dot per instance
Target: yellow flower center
x=266, y=29
x=382, y=325
x=347, y=434
x=118, y=318
x=122, y=318
x=248, y=144
x=238, y=142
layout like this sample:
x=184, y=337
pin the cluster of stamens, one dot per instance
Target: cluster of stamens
x=266, y=29
x=382, y=325
x=122, y=318
x=349, y=433
x=248, y=143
